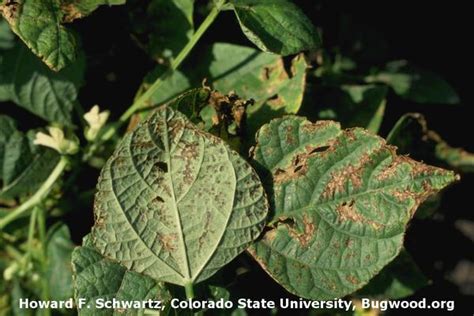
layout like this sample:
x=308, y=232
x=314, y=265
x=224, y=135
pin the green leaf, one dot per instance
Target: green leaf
x=341, y=200
x=412, y=135
x=39, y=23
x=357, y=106
x=166, y=26
x=59, y=248
x=400, y=278
x=97, y=277
x=415, y=84
x=7, y=39
x=173, y=84
x=23, y=165
x=30, y=84
x=276, y=26
x=17, y=293
x=176, y=203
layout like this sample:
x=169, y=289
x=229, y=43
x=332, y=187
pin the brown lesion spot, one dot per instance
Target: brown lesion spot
x=71, y=11
x=302, y=232
x=339, y=178
x=299, y=164
x=10, y=10
x=347, y=212
x=352, y=279
x=168, y=242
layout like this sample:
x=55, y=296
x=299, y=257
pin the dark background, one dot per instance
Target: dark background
x=435, y=35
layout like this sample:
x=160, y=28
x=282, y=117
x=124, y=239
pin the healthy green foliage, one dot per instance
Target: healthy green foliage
x=357, y=105
x=59, y=248
x=168, y=24
x=175, y=203
x=276, y=26
x=7, y=39
x=31, y=85
x=23, y=166
x=98, y=277
x=340, y=202
x=415, y=84
x=39, y=23
x=173, y=85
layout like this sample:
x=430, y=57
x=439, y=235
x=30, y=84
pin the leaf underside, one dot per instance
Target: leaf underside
x=340, y=199
x=175, y=203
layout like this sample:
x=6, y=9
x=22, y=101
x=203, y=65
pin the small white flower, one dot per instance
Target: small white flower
x=96, y=120
x=56, y=141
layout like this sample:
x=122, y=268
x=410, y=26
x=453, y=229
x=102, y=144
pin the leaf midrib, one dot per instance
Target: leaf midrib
x=173, y=197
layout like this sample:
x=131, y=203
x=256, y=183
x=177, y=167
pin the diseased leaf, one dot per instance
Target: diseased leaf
x=400, y=278
x=244, y=72
x=97, y=277
x=30, y=84
x=59, y=248
x=165, y=26
x=276, y=26
x=39, y=23
x=258, y=76
x=23, y=165
x=412, y=135
x=340, y=202
x=416, y=84
x=176, y=203
x=75, y=9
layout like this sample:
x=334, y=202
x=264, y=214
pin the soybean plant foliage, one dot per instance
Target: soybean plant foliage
x=213, y=171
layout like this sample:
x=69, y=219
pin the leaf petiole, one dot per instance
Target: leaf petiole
x=38, y=196
x=188, y=287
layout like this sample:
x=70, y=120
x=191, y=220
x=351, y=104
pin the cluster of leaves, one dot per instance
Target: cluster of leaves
x=322, y=208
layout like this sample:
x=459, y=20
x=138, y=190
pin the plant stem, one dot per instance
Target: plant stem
x=141, y=101
x=41, y=216
x=188, y=287
x=38, y=196
x=32, y=229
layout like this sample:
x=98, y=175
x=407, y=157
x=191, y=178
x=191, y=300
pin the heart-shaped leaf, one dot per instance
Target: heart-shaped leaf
x=276, y=26
x=176, y=203
x=341, y=200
